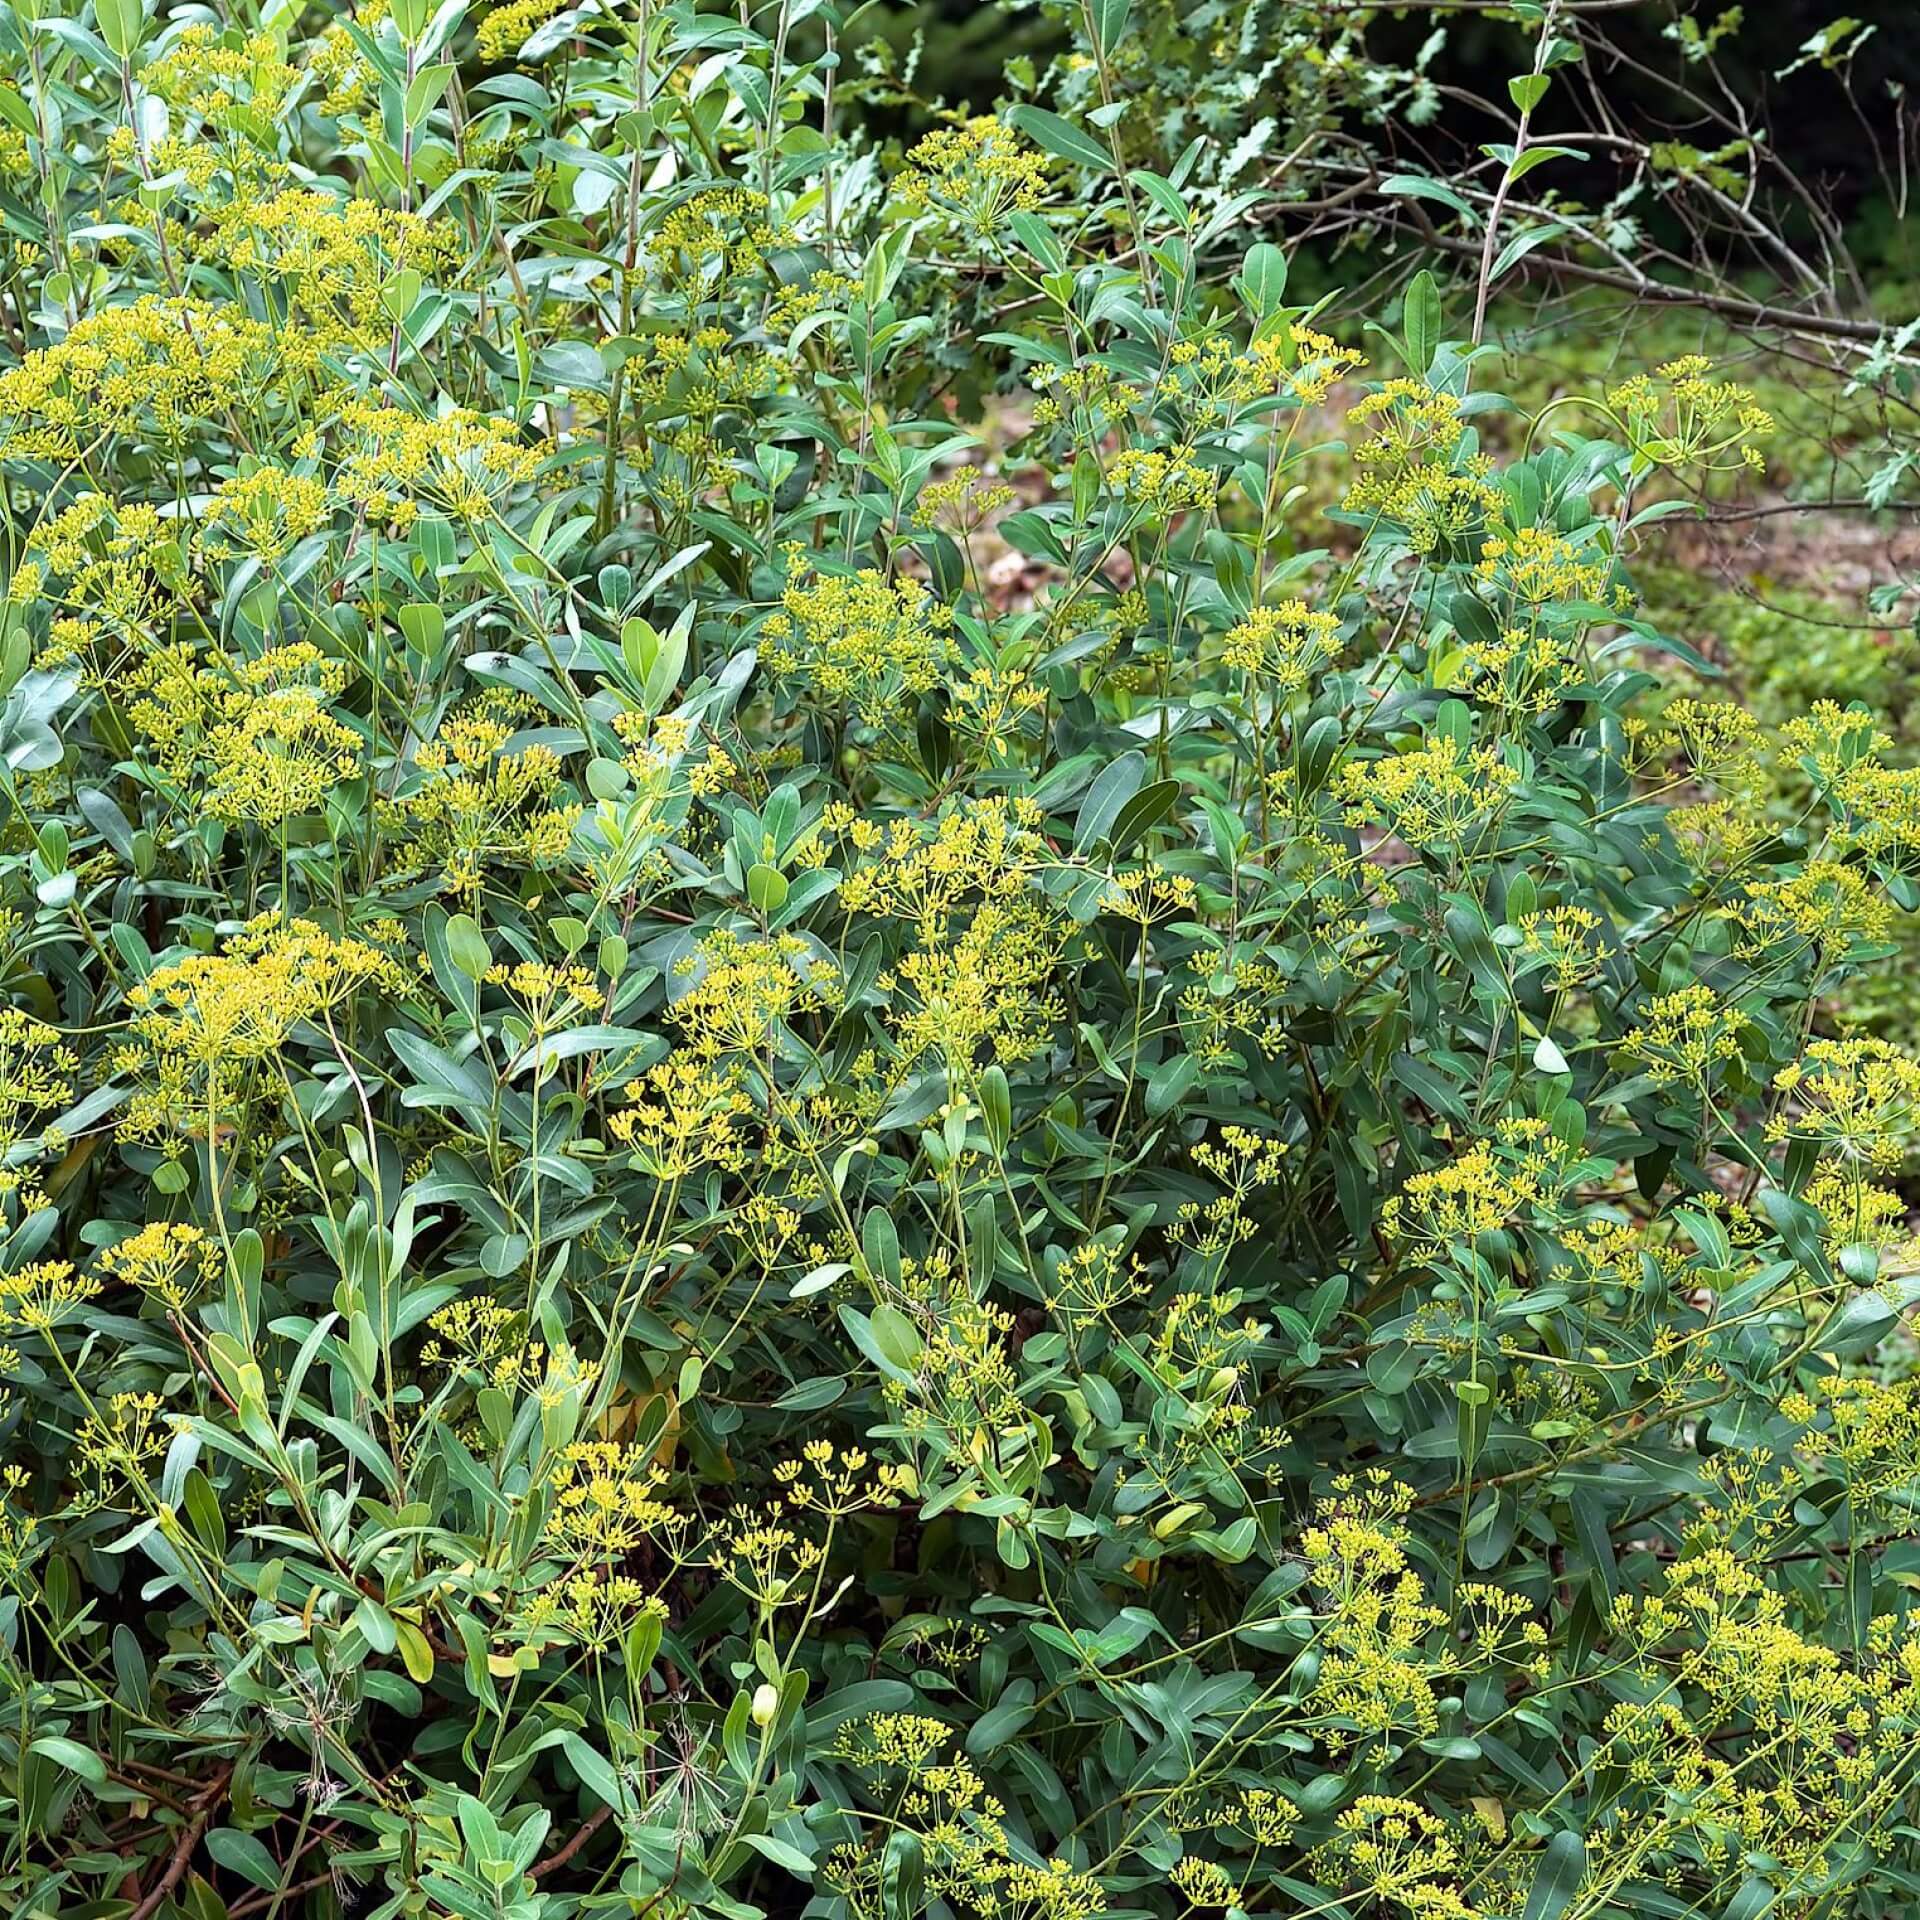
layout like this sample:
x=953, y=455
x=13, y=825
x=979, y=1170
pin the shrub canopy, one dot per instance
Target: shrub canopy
x=771, y=1150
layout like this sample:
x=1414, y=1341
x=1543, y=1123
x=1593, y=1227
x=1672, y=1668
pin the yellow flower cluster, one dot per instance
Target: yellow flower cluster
x=605, y=1501
x=734, y=992
x=1391, y=1849
x=333, y=258
x=1714, y=738
x=1149, y=893
x=1204, y=1347
x=504, y=30
x=1527, y=669
x=718, y=235
x=1537, y=568
x=1374, y=1676
x=592, y=1608
x=1563, y=940
x=927, y=875
x=1093, y=399
x=203, y=1026
x=1855, y=1212
x=1226, y=1004
x=1203, y=1883
x=158, y=366
x=1868, y=1432
x=390, y=461
x=835, y=1483
x=969, y=1859
x=859, y=641
x=1411, y=472
x=483, y=1339
x=347, y=79
x=1680, y=416
x=118, y=1444
x=171, y=1262
x=1455, y=1203
x=987, y=987
x=698, y=375
x=43, y=1294
x=123, y=571
x=267, y=511
x=476, y=805
x=975, y=174
x=962, y=497
x=1755, y=1741
x=967, y=1385
x=1685, y=1037
x=250, y=740
x=1158, y=485
x=1287, y=644
x=240, y=84
x=1833, y=740
x=1858, y=1099
x=1439, y=793
x=685, y=1114
x=1299, y=361
x=1826, y=908
x=37, y=1070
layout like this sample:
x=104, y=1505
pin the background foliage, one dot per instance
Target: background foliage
x=915, y=1012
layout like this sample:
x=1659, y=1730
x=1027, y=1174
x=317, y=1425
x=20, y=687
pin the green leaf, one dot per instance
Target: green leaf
x=1169, y=1082
x=896, y=1336
x=766, y=888
x=416, y=1651
x=1523, y=244
x=1538, y=157
x=122, y=24
x=377, y=1626
x=467, y=945
x=861, y=1330
x=1416, y=186
x=1061, y=137
x=880, y=1242
x=241, y=1853
x=73, y=1756
x=478, y=1828
x=595, y=1770
x=996, y=1104
x=783, y=1853
x=818, y=1280
x=1596, y=1543
x=1263, y=279
x=854, y=1702
x=902, y=1877
x=1110, y=19
x=1421, y=320
x=1114, y=785
x=1039, y=239
x=1142, y=813
x=1556, y=1881
x=1008, y=1716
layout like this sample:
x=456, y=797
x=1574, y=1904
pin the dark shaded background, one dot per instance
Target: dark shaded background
x=1825, y=124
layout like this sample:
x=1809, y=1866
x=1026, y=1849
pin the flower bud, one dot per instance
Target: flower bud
x=766, y=1703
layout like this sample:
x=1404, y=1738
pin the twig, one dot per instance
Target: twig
x=260, y=1902
x=1485, y=286
x=1719, y=516
x=183, y=1849
x=1755, y=312
x=561, y=1855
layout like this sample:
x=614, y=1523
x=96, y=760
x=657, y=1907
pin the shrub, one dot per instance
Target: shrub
x=709, y=1213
